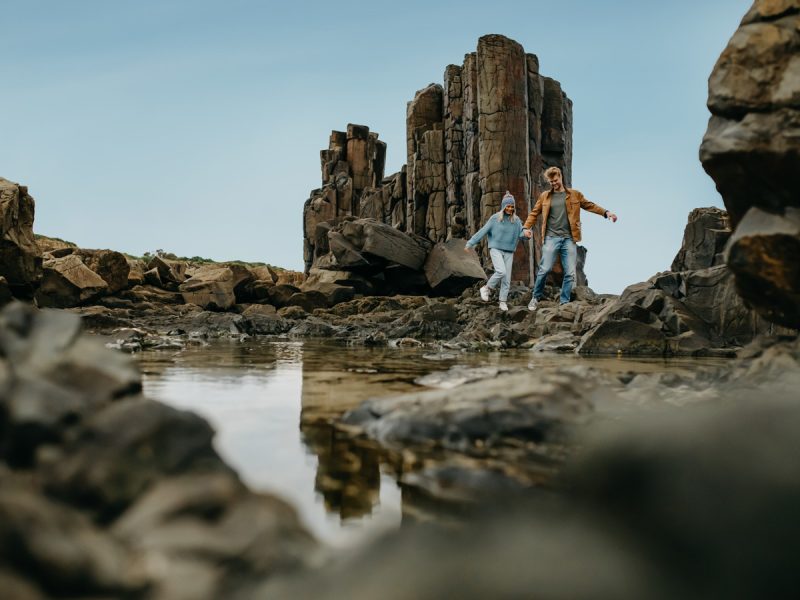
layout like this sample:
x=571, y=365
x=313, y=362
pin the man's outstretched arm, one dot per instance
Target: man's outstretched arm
x=596, y=208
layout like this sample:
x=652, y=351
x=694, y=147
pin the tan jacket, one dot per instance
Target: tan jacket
x=575, y=201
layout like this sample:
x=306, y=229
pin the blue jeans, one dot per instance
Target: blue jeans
x=501, y=261
x=568, y=250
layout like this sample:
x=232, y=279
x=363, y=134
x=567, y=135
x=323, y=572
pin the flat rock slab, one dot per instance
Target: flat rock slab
x=527, y=406
x=449, y=270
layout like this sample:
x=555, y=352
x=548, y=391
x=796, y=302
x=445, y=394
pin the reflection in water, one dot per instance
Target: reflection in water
x=269, y=401
x=348, y=476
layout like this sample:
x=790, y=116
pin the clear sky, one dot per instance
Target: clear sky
x=195, y=126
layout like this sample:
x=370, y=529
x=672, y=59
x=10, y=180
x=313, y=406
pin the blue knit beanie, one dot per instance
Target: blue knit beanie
x=508, y=199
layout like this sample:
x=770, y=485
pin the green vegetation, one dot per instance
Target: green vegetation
x=199, y=260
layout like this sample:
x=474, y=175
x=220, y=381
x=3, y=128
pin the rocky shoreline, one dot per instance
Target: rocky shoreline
x=107, y=494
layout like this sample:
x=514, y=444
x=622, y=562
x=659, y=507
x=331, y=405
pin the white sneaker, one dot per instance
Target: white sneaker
x=503, y=306
x=484, y=293
x=534, y=304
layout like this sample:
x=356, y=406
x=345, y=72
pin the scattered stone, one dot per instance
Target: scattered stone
x=68, y=282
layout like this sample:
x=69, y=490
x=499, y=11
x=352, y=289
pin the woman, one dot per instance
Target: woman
x=504, y=230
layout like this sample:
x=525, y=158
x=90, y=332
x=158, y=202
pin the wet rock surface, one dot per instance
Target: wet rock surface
x=654, y=505
x=104, y=493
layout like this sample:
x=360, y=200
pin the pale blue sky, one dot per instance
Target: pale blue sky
x=195, y=126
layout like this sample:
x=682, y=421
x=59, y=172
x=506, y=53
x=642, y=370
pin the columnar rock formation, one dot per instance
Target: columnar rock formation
x=752, y=151
x=494, y=125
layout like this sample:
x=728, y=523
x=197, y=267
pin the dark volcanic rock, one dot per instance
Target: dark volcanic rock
x=624, y=337
x=763, y=254
x=125, y=448
x=61, y=550
x=54, y=377
x=195, y=523
x=703, y=240
x=751, y=150
x=534, y=407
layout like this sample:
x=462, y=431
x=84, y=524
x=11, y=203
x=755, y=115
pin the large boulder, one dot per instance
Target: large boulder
x=20, y=256
x=135, y=272
x=259, y=534
x=54, y=377
x=623, y=336
x=527, y=407
x=67, y=281
x=62, y=551
x=385, y=242
x=125, y=448
x=171, y=271
x=449, y=270
x=212, y=286
x=751, y=150
x=703, y=240
x=112, y=267
x=763, y=254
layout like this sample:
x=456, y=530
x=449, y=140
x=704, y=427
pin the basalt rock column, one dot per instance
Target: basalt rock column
x=752, y=152
x=425, y=148
x=557, y=129
x=503, y=131
x=352, y=167
x=535, y=160
x=472, y=184
x=454, y=151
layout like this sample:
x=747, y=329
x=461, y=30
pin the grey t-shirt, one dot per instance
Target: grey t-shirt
x=557, y=222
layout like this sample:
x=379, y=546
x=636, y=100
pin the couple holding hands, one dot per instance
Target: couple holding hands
x=559, y=208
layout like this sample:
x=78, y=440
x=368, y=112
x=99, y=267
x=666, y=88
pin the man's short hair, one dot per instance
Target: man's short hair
x=552, y=172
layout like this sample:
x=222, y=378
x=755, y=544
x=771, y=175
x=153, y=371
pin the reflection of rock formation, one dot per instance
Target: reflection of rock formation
x=495, y=125
x=348, y=474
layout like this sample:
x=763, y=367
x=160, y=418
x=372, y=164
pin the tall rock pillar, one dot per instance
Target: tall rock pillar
x=503, y=131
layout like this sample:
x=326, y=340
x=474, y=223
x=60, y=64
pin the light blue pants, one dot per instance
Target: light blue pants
x=568, y=250
x=502, y=262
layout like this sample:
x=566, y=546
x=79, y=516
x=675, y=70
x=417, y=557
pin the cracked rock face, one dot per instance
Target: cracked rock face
x=752, y=151
x=20, y=256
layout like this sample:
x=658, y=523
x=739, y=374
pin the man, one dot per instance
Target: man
x=504, y=229
x=561, y=228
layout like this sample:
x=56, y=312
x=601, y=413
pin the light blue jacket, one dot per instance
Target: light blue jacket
x=503, y=234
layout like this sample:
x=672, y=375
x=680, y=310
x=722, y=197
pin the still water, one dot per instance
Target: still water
x=265, y=400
